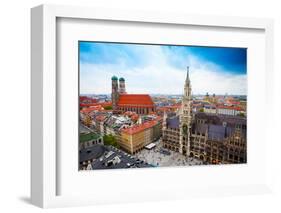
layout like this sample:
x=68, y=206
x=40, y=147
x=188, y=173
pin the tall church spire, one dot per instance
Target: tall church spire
x=187, y=86
x=187, y=80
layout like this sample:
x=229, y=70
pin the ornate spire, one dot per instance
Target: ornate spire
x=187, y=75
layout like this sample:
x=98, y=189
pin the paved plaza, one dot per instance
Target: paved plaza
x=159, y=156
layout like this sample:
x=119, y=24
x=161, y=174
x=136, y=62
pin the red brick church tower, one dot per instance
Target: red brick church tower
x=122, y=88
x=114, y=92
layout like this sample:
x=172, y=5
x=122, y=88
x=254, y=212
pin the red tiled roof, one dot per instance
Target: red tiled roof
x=87, y=99
x=100, y=118
x=140, y=127
x=164, y=108
x=90, y=109
x=103, y=104
x=230, y=107
x=106, y=104
x=135, y=117
x=135, y=100
x=233, y=102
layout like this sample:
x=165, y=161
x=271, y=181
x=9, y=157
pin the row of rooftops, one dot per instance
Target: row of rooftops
x=204, y=104
x=220, y=119
x=91, y=109
x=176, y=106
x=129, y=121
x=216, y=132
x=144, y=100
x=207, y=105
x=169, y=107
x=237, y=108
x=217, y=127
x=103, y=104
x=148, y=123
x=108, y=157
x=86, y=99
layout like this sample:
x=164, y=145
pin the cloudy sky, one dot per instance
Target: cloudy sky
x=161, y=69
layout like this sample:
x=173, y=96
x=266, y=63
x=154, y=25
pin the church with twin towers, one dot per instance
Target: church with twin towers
x=122, y=101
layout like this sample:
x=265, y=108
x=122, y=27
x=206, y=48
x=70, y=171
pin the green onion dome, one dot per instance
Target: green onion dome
x=114, y=78
x=121, y=79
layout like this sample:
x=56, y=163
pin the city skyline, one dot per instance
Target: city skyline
x=161, y=69
x=136, y=131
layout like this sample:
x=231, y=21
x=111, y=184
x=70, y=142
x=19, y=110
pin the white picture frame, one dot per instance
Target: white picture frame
x=44, y=154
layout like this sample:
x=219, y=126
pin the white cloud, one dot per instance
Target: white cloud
x=160, y=77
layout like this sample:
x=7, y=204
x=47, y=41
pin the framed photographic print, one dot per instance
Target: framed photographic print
x=159, y=123
x=154, y=106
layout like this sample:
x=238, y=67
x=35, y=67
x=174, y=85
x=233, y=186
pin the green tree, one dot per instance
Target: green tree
x=241, y=114
x=110, y=140
x=108, y=107
x=201, y=110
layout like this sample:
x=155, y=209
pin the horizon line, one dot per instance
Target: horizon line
x=210, y=94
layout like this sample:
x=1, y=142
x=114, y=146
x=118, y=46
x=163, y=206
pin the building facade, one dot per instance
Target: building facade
x=89, y=139
x=123, y=102
x=133, y=139
x=210, y=109
x=229, y=110
x=213, y=138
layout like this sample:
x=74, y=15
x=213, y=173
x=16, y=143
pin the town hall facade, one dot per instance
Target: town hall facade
x=212, y=138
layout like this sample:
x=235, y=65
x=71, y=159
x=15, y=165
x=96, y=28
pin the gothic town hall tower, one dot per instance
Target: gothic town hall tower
x=185, y=118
